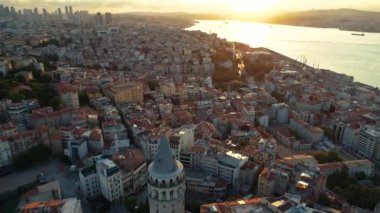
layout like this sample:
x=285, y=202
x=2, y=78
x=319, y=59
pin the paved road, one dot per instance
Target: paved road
x=52, y=169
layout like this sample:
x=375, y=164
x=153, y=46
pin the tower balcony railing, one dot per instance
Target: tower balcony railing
x=162, y=185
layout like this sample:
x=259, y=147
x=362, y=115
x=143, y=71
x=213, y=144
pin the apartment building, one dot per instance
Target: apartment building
x=5, y=152
x=354, y=166
x=133, y=170
x=283, y=177
x=110, y=182
x=368, y=144
x=69, y=95
x=306, y=131
x=21, y=142
x=89, y=182
x=127, y=92
x=200, y=182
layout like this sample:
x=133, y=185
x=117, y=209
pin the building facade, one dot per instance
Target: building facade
x=124, y=93
x=110, y=183
x=368, y=144
x=166, y=182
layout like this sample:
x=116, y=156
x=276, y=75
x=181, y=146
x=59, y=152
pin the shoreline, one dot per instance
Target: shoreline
x=285, y=57
x=293, y=25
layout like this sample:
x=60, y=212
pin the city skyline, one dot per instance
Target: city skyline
x=226, y=7
x=192, y=106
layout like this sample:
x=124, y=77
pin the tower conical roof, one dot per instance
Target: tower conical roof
x=164, y=162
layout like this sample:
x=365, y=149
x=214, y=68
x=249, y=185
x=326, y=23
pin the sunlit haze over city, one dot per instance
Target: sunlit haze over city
x=189, y=106
x=204, y=6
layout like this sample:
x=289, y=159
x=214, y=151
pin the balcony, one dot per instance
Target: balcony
x=164, y=185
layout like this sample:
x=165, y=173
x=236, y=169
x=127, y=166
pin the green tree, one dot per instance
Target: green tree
x=83, y=99
x=46, y=95
x=348, y=187
x=130, y=204
x=37, y=154
x=45, y=79
x=21, y=78
x=56, y=103
x=258, y=67
x=330, y=156
x=16, y=97
x=360, y=175
x=28, y=93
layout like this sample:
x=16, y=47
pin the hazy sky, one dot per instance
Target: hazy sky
x=209, y=6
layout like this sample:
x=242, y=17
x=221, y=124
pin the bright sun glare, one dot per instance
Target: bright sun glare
x=245, y=6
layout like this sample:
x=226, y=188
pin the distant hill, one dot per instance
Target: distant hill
x=182, y=15
x=344, y=19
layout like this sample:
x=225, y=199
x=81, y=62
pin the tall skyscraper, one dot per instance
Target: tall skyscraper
x=71, y=10
x=99, y=19
x=108, y=18
x=44, y=12
x=7, y=12
x=2, y=10
x=35, y=11
x=13, y=11
x=166, y=181
x=59, y=11
x=66, y=10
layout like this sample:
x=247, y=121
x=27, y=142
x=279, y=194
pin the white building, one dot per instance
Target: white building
x=350, y=137
x=306, y=131
x=77, y=149
x=263, y=120
x=229, y=165
x=149, y=147
x=226, y=166
x=166, y=182
x=368, y=144
x=281, y=112
x=113, y=128
x=89, y=182
x=72, y=205
x=186, y=136
x=5, y=152
x=5, y=66
x=110, y=183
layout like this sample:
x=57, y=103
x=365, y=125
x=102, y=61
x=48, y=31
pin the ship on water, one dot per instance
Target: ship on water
x=358, y=34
